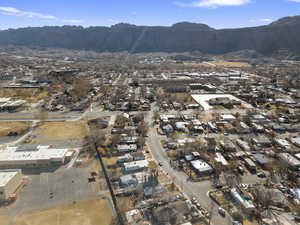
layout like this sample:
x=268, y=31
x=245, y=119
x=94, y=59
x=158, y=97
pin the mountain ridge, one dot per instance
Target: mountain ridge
x=180, y=37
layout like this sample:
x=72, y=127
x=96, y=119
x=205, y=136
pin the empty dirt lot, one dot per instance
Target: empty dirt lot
x=92, y=212
x=231, y=64
x=8, y=127
x=50, y=131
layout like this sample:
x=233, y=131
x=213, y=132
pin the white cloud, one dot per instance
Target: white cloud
x=73, y=21
x=266, y=20
x=113, y=21
x=10, y=11
x=213, y=3
x=294, y=1
x=263, y=20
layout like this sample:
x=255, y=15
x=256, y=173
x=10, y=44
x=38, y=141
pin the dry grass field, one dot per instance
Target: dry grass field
x=92, y=212
x=30, y=95
x=197, y=64
x=7, y=127
x=231, y=64
x=60, y=131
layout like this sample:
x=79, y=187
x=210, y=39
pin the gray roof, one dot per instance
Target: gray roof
x=261, y=158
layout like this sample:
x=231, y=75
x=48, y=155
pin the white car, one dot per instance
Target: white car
x=222, y=211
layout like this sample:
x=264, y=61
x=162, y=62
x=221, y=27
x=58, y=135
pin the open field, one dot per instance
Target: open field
x=195, y=64
x=60, y=131
x=183, y=97
x=231, y=64
x=8, y=127
x=110, y=161
x=30, y=95
x=92, y=212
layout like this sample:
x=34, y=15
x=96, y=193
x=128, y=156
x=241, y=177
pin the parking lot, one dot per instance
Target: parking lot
x=52, y=189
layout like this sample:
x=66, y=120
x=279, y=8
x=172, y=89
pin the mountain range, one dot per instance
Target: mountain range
x=181, y=37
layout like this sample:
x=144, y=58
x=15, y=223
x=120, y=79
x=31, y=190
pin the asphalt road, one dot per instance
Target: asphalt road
x=199, y=190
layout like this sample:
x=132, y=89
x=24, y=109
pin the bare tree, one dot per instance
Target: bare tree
x=114, y=140
x=237, y=216
x=262, y=198
x=143, y=128
x=138, y=118
x=81, y=88
x=232, y=179
x=141, y=142
x=120, y=121
x=156, y=116
x=210, y=211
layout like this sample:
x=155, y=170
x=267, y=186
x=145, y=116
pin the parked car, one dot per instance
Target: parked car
x=261, y=175
x=222, y=211
x=240, y=170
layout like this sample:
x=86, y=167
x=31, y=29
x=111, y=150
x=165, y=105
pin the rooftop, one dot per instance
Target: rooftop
x=41, y=152
x=201, y=165
x=203, y=99
x=6, y=176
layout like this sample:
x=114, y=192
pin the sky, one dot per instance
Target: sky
x=215, y=13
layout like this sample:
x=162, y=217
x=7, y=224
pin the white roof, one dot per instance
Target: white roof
x=127, y=147
x=201, y=165
x=220, y=158
x=2, y=100
x=282, y=142
x=136, y=164
x=6, y=176
x=228, y=117
x=15, y=154
x=246, y=203
x=297, y=155
x=295, y=140
x=288, y=158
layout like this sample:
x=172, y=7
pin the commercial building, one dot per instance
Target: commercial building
x=32, y=156
x=10, y=180
x=8, y=104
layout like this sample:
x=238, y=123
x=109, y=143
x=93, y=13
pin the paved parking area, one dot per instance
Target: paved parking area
x=52, y=189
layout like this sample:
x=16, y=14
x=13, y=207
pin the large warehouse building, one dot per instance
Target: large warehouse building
x=32, y=156
x=10, y=180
